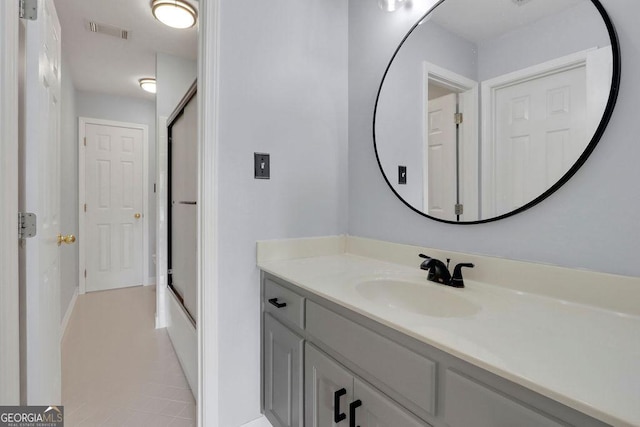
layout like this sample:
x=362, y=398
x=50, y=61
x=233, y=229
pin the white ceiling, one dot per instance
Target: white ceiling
x=483, y=20
x=106, y=64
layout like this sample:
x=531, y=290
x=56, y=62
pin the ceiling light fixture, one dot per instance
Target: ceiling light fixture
x=148, y=84
x=174, y=13
x=390, y=5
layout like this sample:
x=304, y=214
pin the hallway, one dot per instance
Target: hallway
x=117, y=369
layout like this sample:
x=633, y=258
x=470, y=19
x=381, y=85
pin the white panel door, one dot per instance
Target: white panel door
x=40, y=194
x=114, y=196
x=440, y=172
x=540, y=133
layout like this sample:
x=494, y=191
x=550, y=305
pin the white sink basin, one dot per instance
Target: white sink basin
x=424, y=299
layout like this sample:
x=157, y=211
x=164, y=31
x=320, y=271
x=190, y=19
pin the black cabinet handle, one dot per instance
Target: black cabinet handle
x=274, y=301
x=352, y=412
x=337, y=415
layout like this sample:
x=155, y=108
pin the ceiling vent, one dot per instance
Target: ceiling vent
x=108, y=30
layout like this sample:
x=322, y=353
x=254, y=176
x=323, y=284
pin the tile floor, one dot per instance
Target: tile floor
x=117, y=369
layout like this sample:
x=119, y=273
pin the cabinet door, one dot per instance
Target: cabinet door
x=324, y=379
x=283, y=358
x=377, y=410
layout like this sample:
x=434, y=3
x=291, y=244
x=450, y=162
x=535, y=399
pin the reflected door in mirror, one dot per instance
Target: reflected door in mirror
x=539, y=133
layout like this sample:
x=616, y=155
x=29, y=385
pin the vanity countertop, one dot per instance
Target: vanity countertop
x=584, y=357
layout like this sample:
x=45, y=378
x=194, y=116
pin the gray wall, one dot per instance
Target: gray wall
x=400, y=115
x=174, y=77
x=68, y=189
x=590, y=223
x=542, y=41
x=132, y=110
x=283, y=91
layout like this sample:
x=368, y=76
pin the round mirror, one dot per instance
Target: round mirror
x=487, y=107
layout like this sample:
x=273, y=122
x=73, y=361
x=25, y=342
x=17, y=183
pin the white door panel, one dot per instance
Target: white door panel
x=114, y=199
x=41, y=195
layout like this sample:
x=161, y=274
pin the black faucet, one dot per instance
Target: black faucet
x=438, y=272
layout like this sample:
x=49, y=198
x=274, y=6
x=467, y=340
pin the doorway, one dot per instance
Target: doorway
x=40, y=170
x=207, y=71
x=451, y=149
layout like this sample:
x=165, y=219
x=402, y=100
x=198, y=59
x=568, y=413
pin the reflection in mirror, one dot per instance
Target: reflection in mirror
x=489, y=104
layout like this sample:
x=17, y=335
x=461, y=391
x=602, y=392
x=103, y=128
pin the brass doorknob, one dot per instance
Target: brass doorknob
x=69, y=239
x=137, y=216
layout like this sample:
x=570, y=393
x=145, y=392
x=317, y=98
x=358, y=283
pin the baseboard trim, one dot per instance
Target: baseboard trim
x=67, y=314
x=151, y=281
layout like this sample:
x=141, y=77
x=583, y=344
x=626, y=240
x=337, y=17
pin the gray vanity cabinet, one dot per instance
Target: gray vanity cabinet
x=319, y=357
x=283, y=382
x=331, y=390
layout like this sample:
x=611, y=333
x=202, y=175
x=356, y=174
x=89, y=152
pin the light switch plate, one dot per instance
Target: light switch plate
x=261, y=166
x=402, y=175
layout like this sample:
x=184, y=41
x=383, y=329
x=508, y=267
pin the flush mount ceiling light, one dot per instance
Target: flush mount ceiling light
x=390, y=5
x=174, y=13
x=148, y=84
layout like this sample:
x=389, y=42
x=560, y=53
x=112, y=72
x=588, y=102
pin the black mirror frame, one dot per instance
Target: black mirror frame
x=613, y=96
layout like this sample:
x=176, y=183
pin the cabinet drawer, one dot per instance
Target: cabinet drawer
x=405, y=375
x=274, y=298
x=468, y=402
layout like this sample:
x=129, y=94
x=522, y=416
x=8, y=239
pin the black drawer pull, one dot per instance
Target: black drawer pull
x=337, y=415
x=274, y=301
x=352, y=412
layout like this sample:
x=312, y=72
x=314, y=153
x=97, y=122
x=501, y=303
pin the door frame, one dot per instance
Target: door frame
x=9, y=283
x=162, y=207
x=82, y=152
x=208, y=322
x=469, y=144
x=488, y=91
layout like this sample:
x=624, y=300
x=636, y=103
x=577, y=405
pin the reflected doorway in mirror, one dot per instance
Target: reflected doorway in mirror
x=450, y=168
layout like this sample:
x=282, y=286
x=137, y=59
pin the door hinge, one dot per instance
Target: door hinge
x=26, y=225
x=170, y=271
x=85, y=207
x=85, y=141
x=28, y=9
x=459, y=209
x=85, y=274
x=458, y=118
